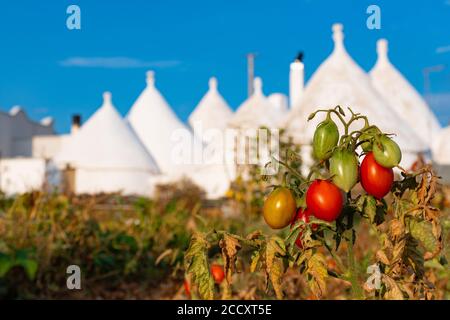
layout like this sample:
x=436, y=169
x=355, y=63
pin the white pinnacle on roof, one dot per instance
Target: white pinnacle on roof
x=212, y=112
x=441, y=147
x=256, y=111
x=106, y=141
x=401, y=95
x=156, y=124
x=340, y=81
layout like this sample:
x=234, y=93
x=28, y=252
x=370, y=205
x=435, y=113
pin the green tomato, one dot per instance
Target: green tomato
x=325, y=139
x=368, y=136
x=386, y=152
x=344, y=169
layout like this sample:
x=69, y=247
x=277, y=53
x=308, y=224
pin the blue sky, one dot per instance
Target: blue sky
x=50, y=70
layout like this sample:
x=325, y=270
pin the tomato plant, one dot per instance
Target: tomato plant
x=408, y=237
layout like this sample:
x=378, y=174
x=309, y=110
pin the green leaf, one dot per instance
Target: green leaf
x=6, y=264
x=30, y=266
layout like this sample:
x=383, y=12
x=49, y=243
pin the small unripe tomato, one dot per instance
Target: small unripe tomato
x=325, y=200
x=279, y=208
x=344, y=169
x=217, y=273
x=386, y=152
x=325, y=139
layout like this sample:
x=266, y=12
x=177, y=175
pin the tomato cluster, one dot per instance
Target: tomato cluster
x=338, y=171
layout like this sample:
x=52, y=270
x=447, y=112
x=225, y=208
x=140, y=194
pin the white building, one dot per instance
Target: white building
x=104, y=155
x=18, y=172
x=17, y=132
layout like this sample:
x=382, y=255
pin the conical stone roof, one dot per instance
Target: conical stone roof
x=402, y=96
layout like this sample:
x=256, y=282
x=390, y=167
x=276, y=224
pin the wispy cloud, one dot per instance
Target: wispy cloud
x=443, y=49
x=116, y=63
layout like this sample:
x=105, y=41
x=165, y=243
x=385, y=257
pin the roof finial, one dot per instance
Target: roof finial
x=150, y=77
x=212, y=83
x=338, y=34
x=382, y=49
x=106, y=97
x=257, y=85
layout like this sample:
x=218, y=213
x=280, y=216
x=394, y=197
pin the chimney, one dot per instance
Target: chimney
x=76, y=123
x=296, y=81
x=250, y=73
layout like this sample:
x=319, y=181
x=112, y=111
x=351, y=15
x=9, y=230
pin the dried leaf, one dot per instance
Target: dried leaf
x=381, y=256
x=317, y=274
x=196, y=264
x=256, y=255
x=393, y=291
x=230, y=247
x=254, y=235
x=396, y=229
x=274, y=263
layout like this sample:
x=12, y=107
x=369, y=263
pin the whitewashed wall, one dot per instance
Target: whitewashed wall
x=22, y=175
x=48, y=146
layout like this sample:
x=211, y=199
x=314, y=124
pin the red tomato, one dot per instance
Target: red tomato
x=375, y=179
x=187, y=288
x=325, y=200
x=304, y=216
x=217, y=273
